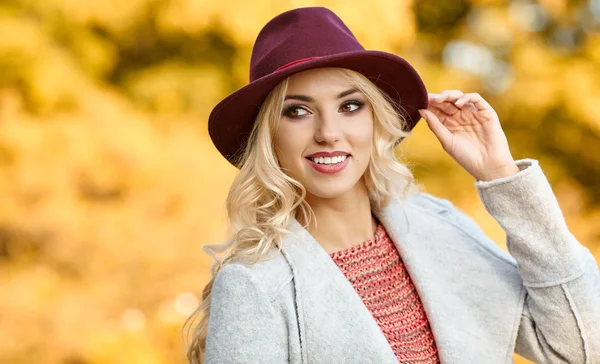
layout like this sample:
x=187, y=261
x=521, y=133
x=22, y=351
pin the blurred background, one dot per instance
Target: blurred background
x=109, y=184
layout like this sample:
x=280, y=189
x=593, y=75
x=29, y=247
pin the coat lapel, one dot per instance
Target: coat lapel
x=472, y=299
x=335, y=325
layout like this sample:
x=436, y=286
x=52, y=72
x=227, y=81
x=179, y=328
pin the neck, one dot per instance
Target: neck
x=344, y=221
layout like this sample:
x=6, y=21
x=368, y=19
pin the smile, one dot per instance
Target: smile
x=329, y=165
x=328, y=160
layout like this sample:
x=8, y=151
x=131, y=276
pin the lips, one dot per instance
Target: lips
x=329, y=168
x=336, y=153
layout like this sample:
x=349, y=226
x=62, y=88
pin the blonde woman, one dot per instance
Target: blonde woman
x=338, y=258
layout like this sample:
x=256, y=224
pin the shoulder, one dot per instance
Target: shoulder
x=445, y=212
x=426, y=201
x=269, y=276
x=426, y=206
x=443, y=208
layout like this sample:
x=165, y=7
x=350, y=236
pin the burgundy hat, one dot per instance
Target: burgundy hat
x=302, y=39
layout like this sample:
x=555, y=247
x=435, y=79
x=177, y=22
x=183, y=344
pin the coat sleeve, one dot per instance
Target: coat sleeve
x=561, y=318
x=243, y=326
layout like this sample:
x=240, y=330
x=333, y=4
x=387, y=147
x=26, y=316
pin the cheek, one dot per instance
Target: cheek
x=367, y=137
x=286, y=147
x=362, y=138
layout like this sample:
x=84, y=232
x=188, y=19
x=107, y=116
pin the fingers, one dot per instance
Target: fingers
x=473, y=98
x=448, y=95
x=445, y=107
x=447, y=100
x=440, y=131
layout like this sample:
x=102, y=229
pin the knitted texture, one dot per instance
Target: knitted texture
x=379, y=276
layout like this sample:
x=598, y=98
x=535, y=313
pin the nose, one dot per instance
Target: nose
x=328, y=129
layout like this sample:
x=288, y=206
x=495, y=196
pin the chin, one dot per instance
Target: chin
x=328, y=191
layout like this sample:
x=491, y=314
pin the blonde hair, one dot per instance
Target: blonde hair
x=263, y=200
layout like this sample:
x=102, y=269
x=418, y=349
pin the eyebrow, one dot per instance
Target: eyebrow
x=310, y=99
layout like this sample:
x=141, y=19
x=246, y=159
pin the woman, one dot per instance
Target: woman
x=336, y=256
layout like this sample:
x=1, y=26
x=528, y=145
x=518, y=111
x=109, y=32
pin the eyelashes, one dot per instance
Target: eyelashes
x=288, y=111
x=296, y=111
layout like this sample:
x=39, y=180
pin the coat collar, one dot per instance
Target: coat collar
x=458, y=283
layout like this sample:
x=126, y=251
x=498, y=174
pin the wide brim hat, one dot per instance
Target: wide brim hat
x=300, y=40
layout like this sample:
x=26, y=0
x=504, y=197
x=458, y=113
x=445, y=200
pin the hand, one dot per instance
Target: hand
x=469, y=130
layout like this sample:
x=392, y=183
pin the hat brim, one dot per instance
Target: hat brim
x=231, y=120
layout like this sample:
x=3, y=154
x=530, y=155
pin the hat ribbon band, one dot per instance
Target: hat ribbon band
x=302, y=60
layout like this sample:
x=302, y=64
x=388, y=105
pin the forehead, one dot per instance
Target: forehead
x=318, y=81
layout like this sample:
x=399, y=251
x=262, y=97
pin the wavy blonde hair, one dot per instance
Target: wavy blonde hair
x=263, y=200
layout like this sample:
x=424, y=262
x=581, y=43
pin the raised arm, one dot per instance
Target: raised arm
x=561, y=319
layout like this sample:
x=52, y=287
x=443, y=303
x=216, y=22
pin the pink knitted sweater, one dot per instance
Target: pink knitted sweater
x=378, y=275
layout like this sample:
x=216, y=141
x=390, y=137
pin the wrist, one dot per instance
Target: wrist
x=501, y=173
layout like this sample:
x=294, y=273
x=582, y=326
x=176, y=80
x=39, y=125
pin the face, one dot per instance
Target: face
x=325, y=133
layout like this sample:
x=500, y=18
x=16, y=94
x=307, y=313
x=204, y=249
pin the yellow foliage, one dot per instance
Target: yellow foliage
x=110, y=185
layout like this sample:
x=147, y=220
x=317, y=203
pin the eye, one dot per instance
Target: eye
x=294, y=111
x=351, y=106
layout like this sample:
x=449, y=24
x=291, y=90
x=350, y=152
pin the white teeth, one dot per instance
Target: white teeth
x=329, y=160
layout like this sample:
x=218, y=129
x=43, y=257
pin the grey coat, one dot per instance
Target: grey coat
x=542, y=300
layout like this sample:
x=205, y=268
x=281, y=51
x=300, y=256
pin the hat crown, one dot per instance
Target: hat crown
x=300, y=34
